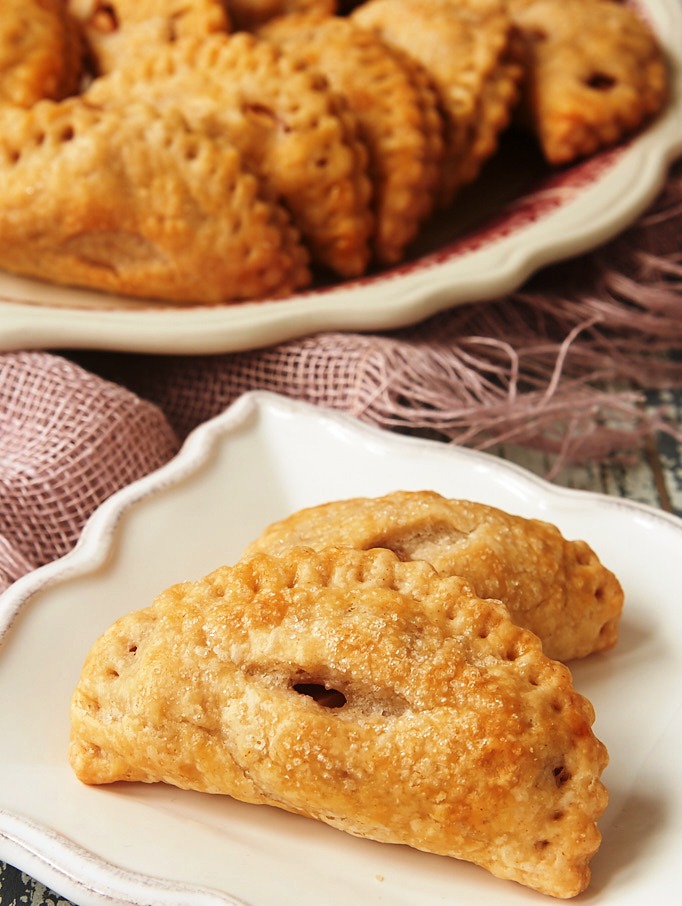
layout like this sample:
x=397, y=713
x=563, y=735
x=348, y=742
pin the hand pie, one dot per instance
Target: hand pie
x=138, y=203
x=371, y=694
x=397, y=112
x=594, y=73
x=469, y=50
x=290, y=129
x=554, y=587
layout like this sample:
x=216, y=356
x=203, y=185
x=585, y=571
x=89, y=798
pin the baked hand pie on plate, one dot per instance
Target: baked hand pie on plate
x=372, y=694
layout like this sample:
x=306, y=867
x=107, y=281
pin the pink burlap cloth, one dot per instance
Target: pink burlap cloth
x=560, y=365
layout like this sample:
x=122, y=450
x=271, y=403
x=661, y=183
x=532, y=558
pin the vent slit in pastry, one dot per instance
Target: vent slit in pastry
x=320, y=693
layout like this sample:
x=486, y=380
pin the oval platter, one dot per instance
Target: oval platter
x=514, y=220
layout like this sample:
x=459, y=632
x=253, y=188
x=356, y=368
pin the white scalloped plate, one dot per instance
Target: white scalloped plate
x=263, y=458
x=506, y=227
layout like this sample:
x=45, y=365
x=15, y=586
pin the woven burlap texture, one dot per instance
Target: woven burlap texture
x=68, y=440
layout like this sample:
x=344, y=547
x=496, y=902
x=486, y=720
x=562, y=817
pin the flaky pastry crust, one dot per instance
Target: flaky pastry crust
x=557, y=588
x=371, y=694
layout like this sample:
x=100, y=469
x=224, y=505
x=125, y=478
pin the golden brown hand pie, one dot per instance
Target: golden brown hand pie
x=119, y=31
x=469, y=50
x=41, y=52
x=290, y=128
x=595, y=73
x=557, y=588
x=397, y=113
x=368, y=693
x=138, y=203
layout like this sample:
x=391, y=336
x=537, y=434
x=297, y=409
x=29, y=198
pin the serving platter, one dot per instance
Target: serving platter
x=515, y=219
x=261, y=459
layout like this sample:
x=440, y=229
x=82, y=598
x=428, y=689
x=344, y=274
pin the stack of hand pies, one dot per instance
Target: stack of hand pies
x=208, y=152
x=389, y=666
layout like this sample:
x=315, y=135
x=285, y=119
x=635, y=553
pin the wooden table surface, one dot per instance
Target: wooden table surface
x=655, y=478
